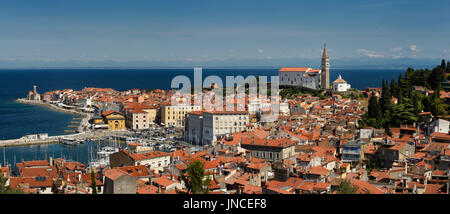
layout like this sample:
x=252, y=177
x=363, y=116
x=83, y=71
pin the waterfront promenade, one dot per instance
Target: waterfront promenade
x=84, y=132
x=88, y=135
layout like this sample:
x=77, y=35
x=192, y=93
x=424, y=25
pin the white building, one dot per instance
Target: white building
x=300, y=76
x=307, y=77
x=340, y=85
x=33, y=95
x=221, y=123
x=138, y=119
x=284, y=108
x=439, y=125
x=194, y=127
x=257, y=105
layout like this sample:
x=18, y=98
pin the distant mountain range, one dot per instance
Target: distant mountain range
x=362, y=62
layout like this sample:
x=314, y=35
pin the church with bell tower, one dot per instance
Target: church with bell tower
x=325, y=70
x=317, y=79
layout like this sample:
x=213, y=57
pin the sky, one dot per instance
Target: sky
x=49, y=31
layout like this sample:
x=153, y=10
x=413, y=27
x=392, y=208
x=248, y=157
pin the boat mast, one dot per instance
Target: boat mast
x=4, y=156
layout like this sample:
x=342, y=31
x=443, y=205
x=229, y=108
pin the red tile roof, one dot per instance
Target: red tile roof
x=294, y=69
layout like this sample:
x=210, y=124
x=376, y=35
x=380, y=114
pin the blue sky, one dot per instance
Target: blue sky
x=198, y=30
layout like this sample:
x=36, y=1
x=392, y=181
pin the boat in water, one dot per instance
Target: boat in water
x=70, y=141
x=100, y=157
x=132, y=140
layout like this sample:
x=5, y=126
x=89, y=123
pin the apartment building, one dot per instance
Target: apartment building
x=174, y=115
x=139, y=116
x=153, y=160
x=270, y=149
x=194, y=127
x=221, y=123
x=137, y=119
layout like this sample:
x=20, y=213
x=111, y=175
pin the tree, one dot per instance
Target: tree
x=437, y=107
x=394, y=88
x=7, y=189
x=374, y=110
x=436, y=77
x=93, y=183
x=403, y=113
x=347, y=188
x=196, y=181
x=448, y=67
x=386, y=97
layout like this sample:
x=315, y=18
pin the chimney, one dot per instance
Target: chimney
x=50, y=159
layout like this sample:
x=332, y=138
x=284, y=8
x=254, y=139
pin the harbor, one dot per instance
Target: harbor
x=78, y=124
x=90, y=148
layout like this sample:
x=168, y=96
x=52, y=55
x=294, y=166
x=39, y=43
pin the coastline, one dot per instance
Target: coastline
x=23, y=141
x=53, y=107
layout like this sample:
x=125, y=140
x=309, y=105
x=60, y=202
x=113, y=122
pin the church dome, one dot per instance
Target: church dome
x=339, y=80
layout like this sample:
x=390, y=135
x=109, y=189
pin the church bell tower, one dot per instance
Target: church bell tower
x=325, y=70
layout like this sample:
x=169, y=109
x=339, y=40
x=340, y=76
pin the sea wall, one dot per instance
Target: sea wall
x=26, y=142
x=48, y=105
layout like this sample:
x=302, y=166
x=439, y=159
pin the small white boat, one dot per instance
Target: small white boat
x=132, y=140
x=106, y=151
x=69, y=141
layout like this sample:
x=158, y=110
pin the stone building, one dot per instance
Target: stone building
x=270, y=149
x=119, y=182
x=33, y=95
x=153, y=160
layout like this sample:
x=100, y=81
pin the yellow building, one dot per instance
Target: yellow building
x=98, y=120
x=152, y=112
x=115, y=120
x=174, y=115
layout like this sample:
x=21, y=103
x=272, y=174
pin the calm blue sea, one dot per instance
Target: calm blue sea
x=18, y=119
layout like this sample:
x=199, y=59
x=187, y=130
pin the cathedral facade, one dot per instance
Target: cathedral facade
x=306, y=76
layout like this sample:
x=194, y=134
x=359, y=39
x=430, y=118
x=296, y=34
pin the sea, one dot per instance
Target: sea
x=17, y=120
